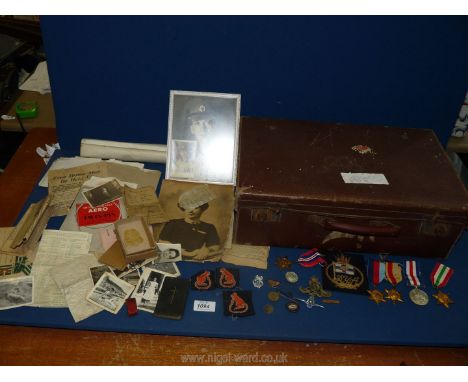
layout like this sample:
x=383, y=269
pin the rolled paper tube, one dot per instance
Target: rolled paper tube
x=143, y=152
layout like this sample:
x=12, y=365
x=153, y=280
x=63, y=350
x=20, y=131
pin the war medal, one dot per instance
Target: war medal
x=416, y=295
x=274, y=283
x=283, y=263
x=394, y=275
x=440, y=276
x=378, y=274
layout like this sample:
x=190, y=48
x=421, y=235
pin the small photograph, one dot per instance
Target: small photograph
x=168, y=253
x=211, y=121
x=184, y=154
x=169, y=269
x=132, y=277
x=104, y=193
x=97, y=272
x=110, y=293
x=16, y=292
x=134, y=235
x=147, y=291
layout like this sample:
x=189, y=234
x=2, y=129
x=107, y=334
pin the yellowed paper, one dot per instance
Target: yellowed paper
x=7, y=262
x=75, y=281
x=55, y=248
x=247, y=255
x=143, y=202
x=65, y=184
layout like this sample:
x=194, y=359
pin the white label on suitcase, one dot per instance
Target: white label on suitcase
x=364, y=178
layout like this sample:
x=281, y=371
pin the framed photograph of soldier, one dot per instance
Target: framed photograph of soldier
x=203, y=137
x=199, y=218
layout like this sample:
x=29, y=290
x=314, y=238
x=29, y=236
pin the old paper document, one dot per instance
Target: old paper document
x=247, y=255
x=65, y=184
x=75, y=281
x=55, y=248
x=143, y=202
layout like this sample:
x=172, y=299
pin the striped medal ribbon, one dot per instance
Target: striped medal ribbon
x=393, y=273
x=416, y=295
x=441, y=275
x=378, y=272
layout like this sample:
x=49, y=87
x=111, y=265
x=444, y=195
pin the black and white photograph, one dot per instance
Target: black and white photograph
x=132, y=277
x=110, y=293
x=147, y=291
x=203, y=136
x=16, y=292
x=169, y=269
x=104, y=193
x=199, y=224
x=168, y=253
x=97, y=272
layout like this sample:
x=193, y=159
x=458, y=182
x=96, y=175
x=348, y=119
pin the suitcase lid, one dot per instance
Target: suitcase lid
x=298, y=162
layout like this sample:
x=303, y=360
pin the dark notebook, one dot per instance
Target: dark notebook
x=172, y=298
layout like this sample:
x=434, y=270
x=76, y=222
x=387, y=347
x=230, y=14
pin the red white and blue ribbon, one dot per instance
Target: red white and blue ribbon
x=311, y=258
x=378, y=272
x=441, y=275
x=412, y=274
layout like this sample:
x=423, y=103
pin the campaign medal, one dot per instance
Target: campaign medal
x=394, y=275
x=283, y=263
x=440, y=276
x=416, y=295
x=378, y=274
x=311, y=258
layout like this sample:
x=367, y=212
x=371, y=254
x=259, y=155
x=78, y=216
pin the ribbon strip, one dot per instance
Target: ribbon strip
x=412, y=274
x=378, y=273
x=441, y=275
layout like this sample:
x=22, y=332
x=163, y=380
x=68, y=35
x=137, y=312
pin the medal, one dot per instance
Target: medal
x=394, y=275
x=440, y=276
x=416, y=295
x=378, y=274
x=283, y=263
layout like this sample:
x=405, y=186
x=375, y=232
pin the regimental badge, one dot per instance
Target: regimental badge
x=203, y=280
x=227, y=278
x=238, y=304
x=346, y=274
x=315, y=288
x=274, y=283
x=258, y=281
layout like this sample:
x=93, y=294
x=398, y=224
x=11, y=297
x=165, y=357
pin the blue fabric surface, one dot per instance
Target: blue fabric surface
x=111, y=76
x=355, y=320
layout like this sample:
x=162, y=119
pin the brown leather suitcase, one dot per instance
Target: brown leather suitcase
x=292, y=193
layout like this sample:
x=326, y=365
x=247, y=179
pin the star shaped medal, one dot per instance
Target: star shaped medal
x=440, y=276
x=442, y=298
x=378, y=274
x=283, y=263
x=376, y=296
x=394, y=275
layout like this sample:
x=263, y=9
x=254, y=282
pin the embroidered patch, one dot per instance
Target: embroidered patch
x=203, y=280
x=227, y=278
x=238, y=304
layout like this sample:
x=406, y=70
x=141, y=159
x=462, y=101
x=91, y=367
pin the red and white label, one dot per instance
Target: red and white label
x=87, y=215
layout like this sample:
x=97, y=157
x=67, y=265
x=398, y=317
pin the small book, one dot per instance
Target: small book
x=172, y=298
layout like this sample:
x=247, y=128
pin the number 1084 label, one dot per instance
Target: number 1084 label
x=204, y=306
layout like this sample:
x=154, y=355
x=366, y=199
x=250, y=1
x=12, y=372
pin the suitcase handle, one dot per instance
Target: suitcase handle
x=332, y=225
